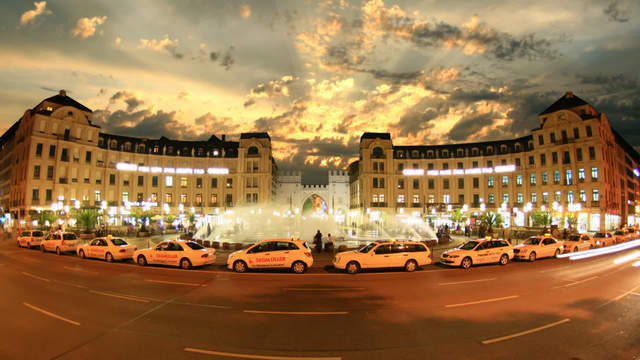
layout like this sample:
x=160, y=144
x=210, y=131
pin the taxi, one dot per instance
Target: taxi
x=579, y=242
x=30, y=238
x=538, y=247
x=60, y=242
x=482, y=251
x=409, y=255
x=621, y=236
x=272, y=254
x=604, y=239
x=185, y=254
x=633, y=233
x=107, y=248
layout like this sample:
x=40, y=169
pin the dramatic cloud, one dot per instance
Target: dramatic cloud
x=245, y=11
x=223, y=59
x=212, y=124
x=617, y=12
x=86, y=27
x=143, y=123
x=164, y=44
x=273, y=88
x=131, y=99
x=30, y=15
x=184, y=95
x=278, y=122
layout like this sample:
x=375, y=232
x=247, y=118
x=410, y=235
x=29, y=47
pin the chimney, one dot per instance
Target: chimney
x=63, y=93
x=224, y=137
x=568, y=95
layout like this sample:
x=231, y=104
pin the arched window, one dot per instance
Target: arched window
x=170, y=150
x=430, y=154
x=474, y=151
x=200, y=151
x=377, y=152
x=186, y=151
x=489, y=150
x=518, y=147
x=414, y=154
x=114, y=144
x=400, y=154
x=141, y=148
x=445, y=153
x=460, y=152
x=253, y=151
x=503, y=148
x=127, y=146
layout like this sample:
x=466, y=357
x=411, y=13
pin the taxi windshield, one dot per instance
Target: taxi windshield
x=69, y=237
x=118, y=242
x=599, y=235
x=618, y=233
x=194, y=245
x=469, y=245
x=37, y=233
x=574, y=238
x=532, y=241
x=367, y=248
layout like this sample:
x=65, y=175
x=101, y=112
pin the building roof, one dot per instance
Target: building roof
x=567, y=101
x=626, y=146
x=64, y=100
x=255, y=135
x=372, y=135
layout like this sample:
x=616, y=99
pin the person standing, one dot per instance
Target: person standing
x=317, y=240
x=330, y=245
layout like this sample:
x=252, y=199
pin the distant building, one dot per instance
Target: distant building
x=320, y=199
x=54, y=158
x=573, y=165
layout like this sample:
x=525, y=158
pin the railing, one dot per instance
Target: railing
x=595, y=204
x=416, y=205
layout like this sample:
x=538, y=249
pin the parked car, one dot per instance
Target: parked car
x=604, y=239
x=30, y=238
x=482, y=251
x=579, y=242
x=107, y=248
x=537, y=247
x=60, y=242
x=185, y=254
x=272, y=253
x=621, y=236
x=409, y=255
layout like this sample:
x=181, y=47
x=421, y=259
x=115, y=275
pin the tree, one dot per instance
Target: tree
x=457, y=216
x=541, y=218
x=572, y=219
x=491, y=219
x=168, y=219
x=44, y=216
x=87, y=218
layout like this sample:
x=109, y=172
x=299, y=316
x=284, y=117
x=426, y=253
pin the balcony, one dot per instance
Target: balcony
x=213, y=204
x=595, y=204
x=379, y=204
x=86, y=180
x=62, y=180
x=401, y=205
x=35, y=201
x=100, y=163
x=416, y=205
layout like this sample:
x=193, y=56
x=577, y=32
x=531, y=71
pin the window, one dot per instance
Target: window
x=534, y=198
x=198, y=182
x=445, y=183
x=48, y=195
x=570, y=197
x=52, y=151
x=564, y=136
x=229, y=183
x=112, y=179
x=558, y=195
x=36, y=172
x=545, y=197
x=377, y=153
x=532, y=160
x=154, y=181
x=545, y=178
x=416, y=199
x=503, y=162
x=460, y=183
x=416, y=184
x=125, y=196
x=374, y=198
x=38, y=150
x=594, y=173
x=566, y=159
x=595, y=196
x=505, y=198
x=431, y=184
x=401, y=199
x=505, y=180
x=168, y=181
x=445, y=166
x=87, y=157
x=556, y=177
x=214, y=198
x=552, y=137
x=541, y=139
x=592, y=153
x=97, y=196
x=375, y=183
x=568, y=177
x=491, y=199
x=49, y=172
x=400, y=167
x=519, y=198
x=517, y=162
x=214, y=183
x=460, y=198
x=183, y=198
x=490, y=163
x=532, y=179
x=476, y=200
x=140, y=180
x=35, y=195
x=475, y=164
x=64, y=156
x=400, y=183
x=375, y=166
x=446, y=198
x=490, y=181
x=154, y=197
x=430, y=166
x=589, y=134
x=184, y=182
x=460, y=165
x=476, y=182
x=519, y=180
x=579, y=154
x=583, y=196
x=576, y=133
x=554, y=157
x=581, y=174
x=543, y=159
x=168, y=198
x=432, y=198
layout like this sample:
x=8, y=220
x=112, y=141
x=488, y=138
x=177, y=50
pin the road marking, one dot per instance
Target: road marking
x=491, y=341
x=203, y=305
x=51, y=314
x=30, y=260
x=482, y=301
x=80, y=270
x=296, y=312
x=324, y=289
x=555, y=269
x=635, y=293
x=119, y=296
x=576, y=282
x=36, y=277
x=173, y=282
x=626, y=293
x=466, y=282
x=262, y=357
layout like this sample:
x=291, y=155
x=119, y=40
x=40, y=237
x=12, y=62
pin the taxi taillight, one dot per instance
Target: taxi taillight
x=123, y=250
x=308, y=254
x=205, y=255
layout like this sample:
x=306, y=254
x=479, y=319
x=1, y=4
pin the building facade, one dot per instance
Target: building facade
x=574, y=165
x=54, y=159
x=319, y=199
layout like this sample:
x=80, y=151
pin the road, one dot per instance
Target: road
x=63, y=307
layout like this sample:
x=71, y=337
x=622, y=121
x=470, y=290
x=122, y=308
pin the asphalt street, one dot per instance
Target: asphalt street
x=63, y=307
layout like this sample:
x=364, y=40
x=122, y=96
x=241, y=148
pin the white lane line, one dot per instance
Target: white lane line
x=555, y=269
x=576, y=282
x=35, y=276
x=173, y=282
x=491, y=341
x=482, y=301
x=324, y=289
x=131, y=298
x=626, y=293
x=466, y=282
x=51, y=314
x=635, y=293
x=261, y=357
x=79, y=270
x=296, y=312
x=203, y=305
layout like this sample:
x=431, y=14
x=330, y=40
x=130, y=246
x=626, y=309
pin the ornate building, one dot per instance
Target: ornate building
x=573, y=165
x=55, y=158
x=331, y=198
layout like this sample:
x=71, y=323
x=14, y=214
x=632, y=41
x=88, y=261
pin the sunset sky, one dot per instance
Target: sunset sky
x=316, y=75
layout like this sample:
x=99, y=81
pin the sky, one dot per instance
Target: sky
x=315, y=75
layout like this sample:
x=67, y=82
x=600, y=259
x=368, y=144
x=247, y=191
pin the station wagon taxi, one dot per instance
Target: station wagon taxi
x=483, y=251
x=538, y=247
x=60, y=242
x=185, y=254
x=409, y=255
x=30, y=238
x=604, y=239
x=272, y=253
x=579, y=242
x=107, y=248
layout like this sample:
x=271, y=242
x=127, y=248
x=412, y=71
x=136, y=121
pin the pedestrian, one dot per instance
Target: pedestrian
x=467, y=231
x=317, y=241
x=564, y=233
x=330, y=245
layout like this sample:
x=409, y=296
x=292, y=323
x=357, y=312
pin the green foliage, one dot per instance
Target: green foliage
x=572, y=219
x=491, y=219
x=87, y=218
x=168, y=220
x=541, y=218
x=44, y=216
x=457, y=216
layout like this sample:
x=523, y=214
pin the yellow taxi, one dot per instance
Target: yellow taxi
x=604, y=239
x=107, y=248
x=384, y=254
x=621, y=236
x=482, y=251
x=60, y=242
x=272, y=254
x=579, y=242
x=185, y=254
x=538, y=247
x=30, y=238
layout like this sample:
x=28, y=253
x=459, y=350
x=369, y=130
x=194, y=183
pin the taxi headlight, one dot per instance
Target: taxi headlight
x=454, y=256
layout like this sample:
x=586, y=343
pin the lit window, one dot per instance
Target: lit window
x=168, y=181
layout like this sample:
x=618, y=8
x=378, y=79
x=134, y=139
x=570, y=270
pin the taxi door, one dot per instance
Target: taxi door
x=547, y=247
x=281, y=255
x=90, y=250
x=482, y=253
x=382, y=257
x=158, y=254
x=399, y=255
x=175, y=253
x=495, y=251
x=259, y=256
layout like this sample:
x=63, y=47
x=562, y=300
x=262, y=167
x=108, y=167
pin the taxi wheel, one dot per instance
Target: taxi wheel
x=185, y=264
x=18, y=243
x=108, y=257
x=532, y=257
x=466, y=263
x=353, y=267
x=558, y=252
x=590, y=246
x=239, y=266
x=299, y=267
x=28, y=245
x=575, y=249
x=42, y=248
x=504, y=259
x=58, y=252
x=82, y=255
x=410, y=266
x=142, y=261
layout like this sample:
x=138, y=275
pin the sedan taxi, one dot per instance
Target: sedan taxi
x=484, y=251
x=538, y=247
x=107, y=248
x=621, y=236
x=30, y=238
x=272, y=253
x=384, y=254
x=579, y=242
x=604, y=239
x=185, y=254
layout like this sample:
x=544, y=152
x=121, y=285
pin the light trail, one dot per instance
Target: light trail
x=602, y=251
